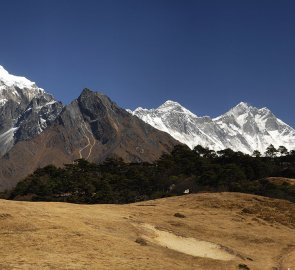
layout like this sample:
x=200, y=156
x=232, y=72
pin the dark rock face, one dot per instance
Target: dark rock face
x=23, y=119
x=99, y=111
x=40, y=113
x=91, y=127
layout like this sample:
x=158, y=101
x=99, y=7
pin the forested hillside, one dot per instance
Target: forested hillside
x=183, y=170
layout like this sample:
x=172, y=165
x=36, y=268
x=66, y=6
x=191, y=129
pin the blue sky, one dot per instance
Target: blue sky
x=208, y=55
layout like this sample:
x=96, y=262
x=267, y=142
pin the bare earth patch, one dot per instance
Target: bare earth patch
x=187, y=245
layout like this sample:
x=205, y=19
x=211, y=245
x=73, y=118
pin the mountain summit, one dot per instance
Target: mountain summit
x=243, y=128
x=25, y=110
x=7, y=79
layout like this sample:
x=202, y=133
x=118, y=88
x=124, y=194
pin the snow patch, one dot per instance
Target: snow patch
x=3, y=101
x=11, y=80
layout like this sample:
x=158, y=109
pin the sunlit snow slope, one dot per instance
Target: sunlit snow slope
x=243, y=128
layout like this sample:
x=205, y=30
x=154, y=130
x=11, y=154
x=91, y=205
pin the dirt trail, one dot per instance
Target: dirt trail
x=190, y=246
x=88, y=144
x=91, y=145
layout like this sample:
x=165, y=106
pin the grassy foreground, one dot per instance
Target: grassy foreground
x=251, y=232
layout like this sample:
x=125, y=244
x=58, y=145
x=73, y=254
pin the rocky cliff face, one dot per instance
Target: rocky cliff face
x=91, y=127
x=243, y=128
x=25, y=110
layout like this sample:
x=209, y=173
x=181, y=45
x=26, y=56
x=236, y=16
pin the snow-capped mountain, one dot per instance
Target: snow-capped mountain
x=25, y=109
x=243, y=128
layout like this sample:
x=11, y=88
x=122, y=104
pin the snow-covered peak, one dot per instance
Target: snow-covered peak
x=17, y=88
x=169, y=103
x=167, y=107
x=12, y=80
x=244, y=111
x=241, y=108
x=240, y=111
x=174, y=107
x=26, y=110
x=243, y=104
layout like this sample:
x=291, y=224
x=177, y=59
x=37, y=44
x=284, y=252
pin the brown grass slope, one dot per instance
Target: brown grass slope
x=254, y=231
x=282, y=180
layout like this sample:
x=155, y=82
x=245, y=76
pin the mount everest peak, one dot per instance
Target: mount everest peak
x=243, y=128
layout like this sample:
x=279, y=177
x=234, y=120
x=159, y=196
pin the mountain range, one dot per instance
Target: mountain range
x=37, y=130
x=243, y=128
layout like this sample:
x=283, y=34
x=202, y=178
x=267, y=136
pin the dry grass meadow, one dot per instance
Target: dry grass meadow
x=209, y=231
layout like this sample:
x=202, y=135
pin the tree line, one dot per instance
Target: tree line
x=197, y=170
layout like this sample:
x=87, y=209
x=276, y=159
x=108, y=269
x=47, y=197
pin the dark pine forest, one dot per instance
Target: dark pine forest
x=197, y=170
